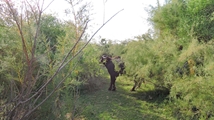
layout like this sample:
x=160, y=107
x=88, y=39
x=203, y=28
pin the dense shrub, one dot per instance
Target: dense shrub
x=185, y=66
x=183, y=18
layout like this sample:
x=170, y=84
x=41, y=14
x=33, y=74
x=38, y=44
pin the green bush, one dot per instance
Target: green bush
x=183, y=18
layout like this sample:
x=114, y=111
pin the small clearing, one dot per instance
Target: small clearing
x=143, y=104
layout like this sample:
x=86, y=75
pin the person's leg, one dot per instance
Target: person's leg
x=110, y=87
x=113, y=79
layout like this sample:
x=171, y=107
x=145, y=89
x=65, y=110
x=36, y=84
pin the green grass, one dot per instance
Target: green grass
x=143, y=104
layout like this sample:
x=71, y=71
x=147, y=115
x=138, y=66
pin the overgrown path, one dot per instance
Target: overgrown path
x=122, y=104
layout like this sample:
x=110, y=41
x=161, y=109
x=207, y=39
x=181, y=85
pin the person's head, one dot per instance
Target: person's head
x=104, y=58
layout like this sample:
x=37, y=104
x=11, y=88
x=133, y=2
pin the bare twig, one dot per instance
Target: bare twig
x=62, y=65
x=92, y=37
x=25, y=95
x=59, y=84
x=38, y=19
x=15, y=18
x=47, y=5
x=97, y=32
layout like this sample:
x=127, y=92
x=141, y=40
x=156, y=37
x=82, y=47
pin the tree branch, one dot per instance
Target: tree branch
x=62, y=65
x=19, y=28
x=51, y=92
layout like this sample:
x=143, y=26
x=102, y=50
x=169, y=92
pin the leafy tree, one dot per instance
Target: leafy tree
x=52, y=29
x=184, y=18
x=31, y=77
x=181, y=28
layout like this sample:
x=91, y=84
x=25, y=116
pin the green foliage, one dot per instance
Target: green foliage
x=177, y=61
x=194, y=94
x=11, y=58
x=51, y=28
x=166, y=19
x=54, y=40
x=183, y=62
x=183, y=18
x=157, y=61
x=84, y=71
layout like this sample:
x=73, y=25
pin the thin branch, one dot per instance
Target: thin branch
x=92, y=37
x=62, y=65
x=96, y=33
x=36, y=34
x=37, y=98
x=47, y=5
x=51, y=91
x=43, y=1
x=33, y=10
x=19, y=28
